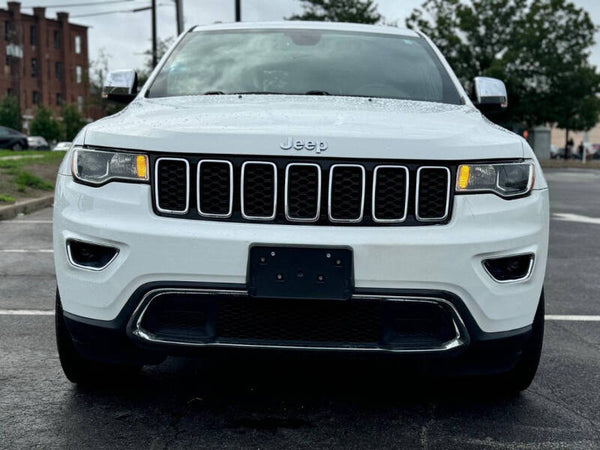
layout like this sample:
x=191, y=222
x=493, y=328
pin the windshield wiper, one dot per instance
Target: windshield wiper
x=317, y=92
x=214, y=93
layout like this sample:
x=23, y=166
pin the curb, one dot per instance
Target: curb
x=26, y=207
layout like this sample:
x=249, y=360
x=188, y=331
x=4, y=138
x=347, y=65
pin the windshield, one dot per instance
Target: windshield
x=309, y=62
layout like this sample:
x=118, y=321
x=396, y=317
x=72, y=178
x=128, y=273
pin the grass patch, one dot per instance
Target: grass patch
x=32, y=174
x=7, y=199
x=25, y=180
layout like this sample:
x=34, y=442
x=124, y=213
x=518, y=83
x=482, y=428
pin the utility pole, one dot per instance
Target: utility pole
x=154, y=53
x=179, y=15
x=238, y=11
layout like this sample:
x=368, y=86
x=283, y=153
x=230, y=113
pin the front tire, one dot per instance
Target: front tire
x=17, y=147
x=79, y=369
x=522, y=374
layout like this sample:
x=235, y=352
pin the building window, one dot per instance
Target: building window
x=34, y=68
x=78, y=44
x=10, y=92
x=59, y=100
x=78, y=74
x=80, y=103
x=56, y=39
x=35, y=97
x=6, y=30
x=58, y=69
x=33, y=35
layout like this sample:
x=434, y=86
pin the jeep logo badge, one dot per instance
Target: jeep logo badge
x=299, y=144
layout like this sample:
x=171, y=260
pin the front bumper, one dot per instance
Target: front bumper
x=401, y=259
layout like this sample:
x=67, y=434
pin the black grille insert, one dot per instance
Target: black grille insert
x=346, y=193
x=390, y=193
x=303, y=192
x=172, y=185
x=215, y=188
x=259, y=190
x=432, y=193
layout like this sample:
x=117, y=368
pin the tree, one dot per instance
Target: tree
x=10, y=113
x=72, y=121
x=353, y=11
x=43, y=124
x=540, y=48
x=162, y=46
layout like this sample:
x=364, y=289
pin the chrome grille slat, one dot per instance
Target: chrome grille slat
x=294, y=216
x=336, y=218
x=160, y=188
x=419, y=202
x=401, y=218
x=201, y=185
x=243, y=191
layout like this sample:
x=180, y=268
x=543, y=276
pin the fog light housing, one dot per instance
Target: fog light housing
x=90, y=256
x=510, y=268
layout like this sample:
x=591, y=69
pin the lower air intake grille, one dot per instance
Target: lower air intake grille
x=230, y=319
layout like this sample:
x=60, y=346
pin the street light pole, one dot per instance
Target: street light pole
x=179, y=15
x=238, y=11
x=154, y=53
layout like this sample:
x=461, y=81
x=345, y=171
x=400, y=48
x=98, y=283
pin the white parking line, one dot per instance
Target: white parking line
x=574, y=318
x=24, y=221
x=21, y=250
x=26, y=312
x=576, y=218
x=46, y=312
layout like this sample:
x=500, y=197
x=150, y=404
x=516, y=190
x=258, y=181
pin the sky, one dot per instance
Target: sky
x=124, y=36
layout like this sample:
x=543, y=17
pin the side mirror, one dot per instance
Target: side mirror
x=490, y=94
x=120, y=86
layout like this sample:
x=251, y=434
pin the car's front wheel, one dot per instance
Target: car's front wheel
x=17, y=147
x=79, y=369
x=522, y=374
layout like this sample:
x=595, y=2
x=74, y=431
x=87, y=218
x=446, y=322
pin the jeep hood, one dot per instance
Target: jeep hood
x=258, y=124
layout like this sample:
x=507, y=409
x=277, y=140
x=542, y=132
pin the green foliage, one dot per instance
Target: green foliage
x=72, y=121
x=352, y=11
x=25, y=179
x=4, y=198
x=10, y=113
x=43, y=124
x=540, y=48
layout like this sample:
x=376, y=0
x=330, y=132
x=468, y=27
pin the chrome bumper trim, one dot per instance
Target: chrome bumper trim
x=134, y=327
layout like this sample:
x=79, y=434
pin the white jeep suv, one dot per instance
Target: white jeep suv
x=301, y=187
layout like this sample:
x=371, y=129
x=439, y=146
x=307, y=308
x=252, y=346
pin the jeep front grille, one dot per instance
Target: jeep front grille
x=286, y=191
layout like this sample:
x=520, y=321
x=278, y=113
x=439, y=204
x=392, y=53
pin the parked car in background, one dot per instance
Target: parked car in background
x=12, y=139
x=38, y=143
x=62, y=147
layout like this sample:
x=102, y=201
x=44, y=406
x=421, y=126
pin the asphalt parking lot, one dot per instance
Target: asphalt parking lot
x=308, y=403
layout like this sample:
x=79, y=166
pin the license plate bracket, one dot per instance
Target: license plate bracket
x=300, y=272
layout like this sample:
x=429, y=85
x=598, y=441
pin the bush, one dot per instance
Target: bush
x=6, y=198
x=43, y=124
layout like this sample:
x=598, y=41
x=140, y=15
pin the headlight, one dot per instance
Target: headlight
x=504, y=179
x=100, y=166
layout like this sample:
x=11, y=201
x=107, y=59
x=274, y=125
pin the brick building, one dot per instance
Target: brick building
x=45, y=60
